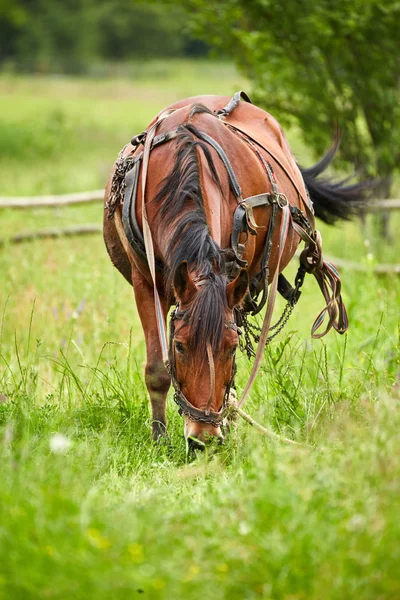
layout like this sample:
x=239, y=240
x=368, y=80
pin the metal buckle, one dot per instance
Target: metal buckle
x=282, y=200
x=160, y=138
x=138, y=139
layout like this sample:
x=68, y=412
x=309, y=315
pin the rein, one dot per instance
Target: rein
x=311, y=260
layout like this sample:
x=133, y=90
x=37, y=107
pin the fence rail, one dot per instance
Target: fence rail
x=387, y=205
x=52, y=232
x=49, y=201
x=29, y=236
x=26, y=202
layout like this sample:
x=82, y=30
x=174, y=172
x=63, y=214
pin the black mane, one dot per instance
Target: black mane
x=181, y=205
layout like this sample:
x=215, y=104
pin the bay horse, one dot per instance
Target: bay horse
x=203, y=211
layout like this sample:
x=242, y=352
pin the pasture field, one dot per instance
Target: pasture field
x=90, y=508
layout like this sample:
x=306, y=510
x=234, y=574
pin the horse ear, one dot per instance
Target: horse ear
x=184, y=286
x=236, y=290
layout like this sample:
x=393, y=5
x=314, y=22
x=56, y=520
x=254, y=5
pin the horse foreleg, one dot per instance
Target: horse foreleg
x=156, y=375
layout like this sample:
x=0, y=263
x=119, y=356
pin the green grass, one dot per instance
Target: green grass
x=53, y=120
x=118, y=517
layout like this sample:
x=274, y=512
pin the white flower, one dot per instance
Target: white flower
x=244, y=528
x=60, y=443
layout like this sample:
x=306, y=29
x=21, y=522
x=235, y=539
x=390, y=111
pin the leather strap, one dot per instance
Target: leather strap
x=270, y=308
x=233, y=182
x=148, y=240
x=131, y=227
x=212, y=377
x=328, y=279
x=236, y=129
x=287, y=291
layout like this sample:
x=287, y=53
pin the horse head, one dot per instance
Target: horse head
x=203, y=343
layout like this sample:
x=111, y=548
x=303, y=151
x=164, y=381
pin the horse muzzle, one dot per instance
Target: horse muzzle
x=198, y=434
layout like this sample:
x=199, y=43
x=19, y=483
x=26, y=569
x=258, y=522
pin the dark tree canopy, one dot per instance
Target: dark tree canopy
x=318, y=63
x=56, y=35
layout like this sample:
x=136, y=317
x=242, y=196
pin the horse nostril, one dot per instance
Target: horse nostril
x=195, y=444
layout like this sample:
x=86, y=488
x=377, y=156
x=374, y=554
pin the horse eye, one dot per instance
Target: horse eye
x=179, y=347
x=232, y=351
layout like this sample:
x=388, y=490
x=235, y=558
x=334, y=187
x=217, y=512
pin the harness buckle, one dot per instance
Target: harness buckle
x=282, y=200
x=251, y=223
x=139, y=138
x=279, y=199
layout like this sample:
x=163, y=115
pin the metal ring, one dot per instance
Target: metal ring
x=282, y=200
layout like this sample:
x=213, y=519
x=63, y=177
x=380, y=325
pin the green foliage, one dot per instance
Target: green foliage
x=316, y=63
x=69, y=36
x=139, y=30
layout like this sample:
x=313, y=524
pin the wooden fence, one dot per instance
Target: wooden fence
x=27, y=202
x=49, y=201
x=30, y=202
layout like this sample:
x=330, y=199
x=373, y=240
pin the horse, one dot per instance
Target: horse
x=203, y=211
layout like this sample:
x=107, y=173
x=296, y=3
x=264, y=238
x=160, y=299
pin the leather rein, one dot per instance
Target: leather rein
x=127, y=171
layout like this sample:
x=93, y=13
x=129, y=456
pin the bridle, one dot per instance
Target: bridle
x=185, y=407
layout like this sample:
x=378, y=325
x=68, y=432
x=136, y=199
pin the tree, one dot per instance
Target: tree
x=318, y=63
x=68, y=36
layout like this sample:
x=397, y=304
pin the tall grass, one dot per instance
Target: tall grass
x=89, y=506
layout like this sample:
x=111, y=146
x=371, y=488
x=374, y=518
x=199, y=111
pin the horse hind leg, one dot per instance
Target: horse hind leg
x=156, y=376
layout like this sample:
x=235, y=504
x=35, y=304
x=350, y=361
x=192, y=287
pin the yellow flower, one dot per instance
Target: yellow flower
x=222, y=568
x=97, y=539
x=135, y=552
x=49, y=550
x=192, y=571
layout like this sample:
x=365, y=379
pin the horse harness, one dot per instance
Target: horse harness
x=124, y=190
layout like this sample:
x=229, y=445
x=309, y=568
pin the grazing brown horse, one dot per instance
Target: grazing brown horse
x=215, y=178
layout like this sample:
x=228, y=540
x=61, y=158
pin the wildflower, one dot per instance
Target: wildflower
x=60, y=443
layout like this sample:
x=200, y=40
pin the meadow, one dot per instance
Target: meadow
x=89, y=506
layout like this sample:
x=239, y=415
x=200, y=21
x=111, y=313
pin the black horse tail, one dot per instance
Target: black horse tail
x=332, y=199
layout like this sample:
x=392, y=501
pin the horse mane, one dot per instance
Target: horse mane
x=181, y=204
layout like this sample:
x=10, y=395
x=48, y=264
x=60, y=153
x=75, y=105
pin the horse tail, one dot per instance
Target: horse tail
x=334, y=199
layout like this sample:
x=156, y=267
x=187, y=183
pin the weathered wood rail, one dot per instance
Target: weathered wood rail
x=30, y=202
x=27, y=202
